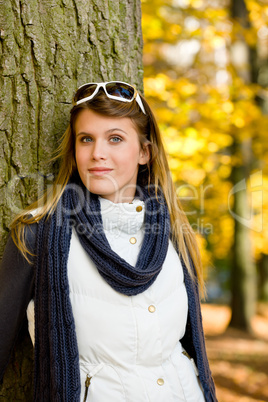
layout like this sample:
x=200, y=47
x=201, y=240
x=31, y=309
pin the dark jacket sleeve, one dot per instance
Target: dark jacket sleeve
x=16, y=291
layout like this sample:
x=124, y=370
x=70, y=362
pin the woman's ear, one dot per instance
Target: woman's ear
x=145, y=154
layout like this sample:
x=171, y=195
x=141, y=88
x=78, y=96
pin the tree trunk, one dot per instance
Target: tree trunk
x=49, y=48
x=263, y=278
x=243, y=268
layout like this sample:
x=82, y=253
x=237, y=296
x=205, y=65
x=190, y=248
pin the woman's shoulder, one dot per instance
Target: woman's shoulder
x=25, y=232
x=13, y=262
x=30, y=235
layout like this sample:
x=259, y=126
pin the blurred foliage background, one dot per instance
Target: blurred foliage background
x=206, y=78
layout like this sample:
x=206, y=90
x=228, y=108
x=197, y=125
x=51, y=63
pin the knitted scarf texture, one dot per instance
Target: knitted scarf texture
x=57, y=376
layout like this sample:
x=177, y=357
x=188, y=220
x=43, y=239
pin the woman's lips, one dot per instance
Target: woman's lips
x=99, y=171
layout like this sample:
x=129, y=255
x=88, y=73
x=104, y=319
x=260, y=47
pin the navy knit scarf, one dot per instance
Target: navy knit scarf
x=57, y=376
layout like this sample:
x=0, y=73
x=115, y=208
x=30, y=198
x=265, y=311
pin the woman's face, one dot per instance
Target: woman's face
x=108, y=155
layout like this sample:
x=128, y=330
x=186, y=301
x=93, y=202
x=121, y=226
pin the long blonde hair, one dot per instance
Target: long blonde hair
x=156, y=172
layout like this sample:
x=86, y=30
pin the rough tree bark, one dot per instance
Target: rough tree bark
x=243, y=267
x=48, y=48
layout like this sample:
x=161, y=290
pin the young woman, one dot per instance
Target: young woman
x=107, y=266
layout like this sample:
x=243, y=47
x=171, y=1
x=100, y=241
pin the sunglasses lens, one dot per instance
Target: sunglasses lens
x=121, y=90
x=85, y=91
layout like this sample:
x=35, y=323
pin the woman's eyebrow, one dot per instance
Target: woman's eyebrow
x=106, y=132
x=82, y=133
x=115, y=129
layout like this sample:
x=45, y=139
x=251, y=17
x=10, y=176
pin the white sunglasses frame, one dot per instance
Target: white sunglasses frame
x=118, y=98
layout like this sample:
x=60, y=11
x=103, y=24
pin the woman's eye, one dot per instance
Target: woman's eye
x=86, y=139
x=116, y=139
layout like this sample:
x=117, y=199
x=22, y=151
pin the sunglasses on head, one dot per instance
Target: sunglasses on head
x=116, y=90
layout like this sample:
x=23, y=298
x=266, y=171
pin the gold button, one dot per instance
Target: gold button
x=160, y=381
x=133, y=240
x=139, y=208
x=151, y=309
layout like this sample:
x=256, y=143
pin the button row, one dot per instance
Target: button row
x=133, y=240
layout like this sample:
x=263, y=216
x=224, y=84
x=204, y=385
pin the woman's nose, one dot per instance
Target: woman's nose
x=98, y=151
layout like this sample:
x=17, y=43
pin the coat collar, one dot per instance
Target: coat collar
x=125, y=217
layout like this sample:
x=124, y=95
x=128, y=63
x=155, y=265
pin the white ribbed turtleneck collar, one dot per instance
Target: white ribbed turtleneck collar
x=126, y=217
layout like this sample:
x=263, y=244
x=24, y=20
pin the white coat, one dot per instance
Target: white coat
x=129, y=345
